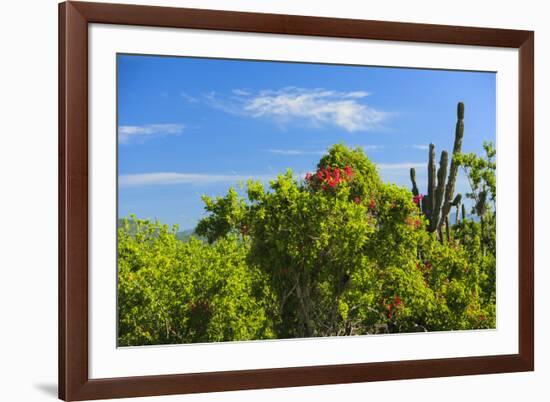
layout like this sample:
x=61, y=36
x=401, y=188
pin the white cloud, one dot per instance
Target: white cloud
x=127, y=134
x=356, y=94
x=293, y=152
x=171, y=178
x=421, y=147
x=189, y=98
x=317, y=107
x=401, y=165
x=372, y=147
x=240, y=92
x=399, y=173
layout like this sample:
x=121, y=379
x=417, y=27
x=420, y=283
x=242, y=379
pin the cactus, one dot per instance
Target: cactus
x=424, y=200
x=457, y=200
x=456, y=203
x=453, y=171
x=413, y=180
x=463, y=212
x=439, y=193
x=431, y=182
x=437, y=204
x=424, y=205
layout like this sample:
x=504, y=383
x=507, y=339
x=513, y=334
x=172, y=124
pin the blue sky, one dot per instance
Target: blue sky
x=193, y=126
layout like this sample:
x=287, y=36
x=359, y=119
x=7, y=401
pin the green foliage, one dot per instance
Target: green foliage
x=481, y=173
x=171, y=291
x=338, y=253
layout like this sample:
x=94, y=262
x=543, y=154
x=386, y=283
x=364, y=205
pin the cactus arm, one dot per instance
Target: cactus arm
x=453, y=171
x=439, y=193
x=431, y=184
x=413, y=181
x=424, y=203
x=456, y=203
x=463, y=212
x=439, y=231
x=457, y=200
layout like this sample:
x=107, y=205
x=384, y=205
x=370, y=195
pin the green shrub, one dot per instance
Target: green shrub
x=337, y=253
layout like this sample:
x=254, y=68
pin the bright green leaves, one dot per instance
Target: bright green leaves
x=481, y=173
x=336, y=253
x=226, y=216
x=307, y=243
x=365, y=176
x=179, y=292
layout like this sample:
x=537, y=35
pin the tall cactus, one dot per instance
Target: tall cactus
x=453, y=171
x=439, y=200
x=413, y=180
x=439, y=192
x=431, y=182
x=430, y=205
x=463, y=212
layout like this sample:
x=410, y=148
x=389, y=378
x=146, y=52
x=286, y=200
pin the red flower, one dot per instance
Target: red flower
x=417, y=223
x=337, y=174
x=330, y=177
x=349, y=171
x=357, y=200
x=397, y=300
x=372, y=203
x=417, y=199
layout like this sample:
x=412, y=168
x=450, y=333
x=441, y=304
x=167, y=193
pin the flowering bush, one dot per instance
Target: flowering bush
x=329, y=177
x=336, y=253
x=337, y=243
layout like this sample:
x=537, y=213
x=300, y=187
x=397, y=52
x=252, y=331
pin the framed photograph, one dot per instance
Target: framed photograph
x=260, y=200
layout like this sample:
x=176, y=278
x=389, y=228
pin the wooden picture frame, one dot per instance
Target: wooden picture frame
x=74, y=381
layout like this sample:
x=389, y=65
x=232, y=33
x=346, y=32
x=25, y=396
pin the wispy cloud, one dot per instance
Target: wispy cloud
x=317, y=107
x=372, y=147
x=356, y=94
x=399, y=173
x=240, y=92
x=189, y=98
x=172, y=178
x=130, y=134
x=401, y=165
x=291, y=152
x=420, y=147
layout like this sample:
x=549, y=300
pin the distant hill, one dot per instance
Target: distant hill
x=183, y=235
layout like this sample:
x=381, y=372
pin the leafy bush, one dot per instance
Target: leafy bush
x=337, y=253
x=171, y=291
